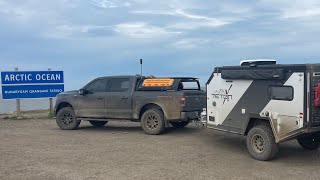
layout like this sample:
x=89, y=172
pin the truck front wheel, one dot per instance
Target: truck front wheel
x=309, y=142
x=66, y=119
x=261, y=143
x=152, y=122
x=179, y=124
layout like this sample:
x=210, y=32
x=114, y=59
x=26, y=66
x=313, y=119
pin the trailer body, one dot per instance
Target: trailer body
x=283, y=97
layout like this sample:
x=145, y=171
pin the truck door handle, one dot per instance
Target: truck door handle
x=100, y=98
x=124, y=97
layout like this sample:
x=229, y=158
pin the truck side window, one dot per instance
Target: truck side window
x=97, y=86
x=284, y=93
x=118, y=85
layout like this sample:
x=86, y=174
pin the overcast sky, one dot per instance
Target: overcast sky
x=90, y=38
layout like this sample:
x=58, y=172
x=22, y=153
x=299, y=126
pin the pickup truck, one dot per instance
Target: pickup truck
x=155, y=102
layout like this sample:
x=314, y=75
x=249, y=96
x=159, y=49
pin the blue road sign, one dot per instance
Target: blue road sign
x=31, y=84
x=31, y=91
x=31, y=77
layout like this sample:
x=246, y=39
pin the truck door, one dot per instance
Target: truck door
x=118, y=104
x=286, y=106
x=92, y=103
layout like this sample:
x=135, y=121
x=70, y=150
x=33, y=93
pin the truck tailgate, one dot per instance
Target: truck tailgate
x=194, y=100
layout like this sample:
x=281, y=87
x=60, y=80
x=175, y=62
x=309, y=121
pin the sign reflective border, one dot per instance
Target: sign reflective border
x=31, y=84
x=158, y=82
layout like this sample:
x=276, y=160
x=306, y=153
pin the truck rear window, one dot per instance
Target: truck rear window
x=189, y=85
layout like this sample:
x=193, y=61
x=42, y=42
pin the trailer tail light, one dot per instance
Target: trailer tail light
x=182, y=101
x=317, y=96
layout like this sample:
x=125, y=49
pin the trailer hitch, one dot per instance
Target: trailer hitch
x=201, y=122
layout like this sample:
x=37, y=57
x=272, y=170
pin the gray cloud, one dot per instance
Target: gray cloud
x=99, y=36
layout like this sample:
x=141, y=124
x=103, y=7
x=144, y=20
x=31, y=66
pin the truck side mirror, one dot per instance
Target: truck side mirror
x=82, y=92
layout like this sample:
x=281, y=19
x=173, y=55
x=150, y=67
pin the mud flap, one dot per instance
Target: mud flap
x=166, y=123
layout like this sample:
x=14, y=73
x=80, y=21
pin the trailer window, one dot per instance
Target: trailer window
x=284, y=93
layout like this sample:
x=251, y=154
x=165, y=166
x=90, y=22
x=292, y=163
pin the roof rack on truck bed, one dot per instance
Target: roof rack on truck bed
x=167, y=83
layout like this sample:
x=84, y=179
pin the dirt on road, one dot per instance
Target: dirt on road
x=38, y=149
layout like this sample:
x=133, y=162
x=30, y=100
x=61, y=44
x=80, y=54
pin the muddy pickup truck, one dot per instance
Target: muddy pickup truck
x=155, y=102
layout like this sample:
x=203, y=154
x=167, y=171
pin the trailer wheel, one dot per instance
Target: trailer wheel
x=261, y=143
x=180, y=124
x=98, y=123
x=152, y=122
x=309, y=142
x=66, y=119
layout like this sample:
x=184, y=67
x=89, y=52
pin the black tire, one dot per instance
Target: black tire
x=152, y=122
x=66, y=119
x=98, y=123
x=179, y=124
x=309, y=142
x=261, y=143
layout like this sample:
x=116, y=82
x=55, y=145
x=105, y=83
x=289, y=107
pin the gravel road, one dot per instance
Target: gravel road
x=38, y=149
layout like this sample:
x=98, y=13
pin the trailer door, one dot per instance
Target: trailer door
x=286, y=106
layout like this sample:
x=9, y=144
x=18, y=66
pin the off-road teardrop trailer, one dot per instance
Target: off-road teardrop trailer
x=267, y=103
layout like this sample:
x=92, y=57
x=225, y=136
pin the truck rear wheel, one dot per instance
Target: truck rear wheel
x=66, y=119
x=179, y=124
x=261, y=143
x=309, y=142
x=152, y=122
x=98, y=123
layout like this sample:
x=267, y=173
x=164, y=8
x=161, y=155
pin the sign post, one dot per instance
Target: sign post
x=51, y=106
x=18, y=101
x=50, y=102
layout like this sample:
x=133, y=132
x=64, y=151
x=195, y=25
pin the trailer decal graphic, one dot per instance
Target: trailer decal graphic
x=222, y=94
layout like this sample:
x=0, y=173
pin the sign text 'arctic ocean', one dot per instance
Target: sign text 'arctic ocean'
x=31, y=84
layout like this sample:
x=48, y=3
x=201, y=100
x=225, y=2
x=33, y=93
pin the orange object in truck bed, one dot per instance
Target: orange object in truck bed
x=158, y=82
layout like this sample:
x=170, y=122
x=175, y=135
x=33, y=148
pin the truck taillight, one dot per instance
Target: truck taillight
x=182, y=101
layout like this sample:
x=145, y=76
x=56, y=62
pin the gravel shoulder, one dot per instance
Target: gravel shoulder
x=38, y=149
